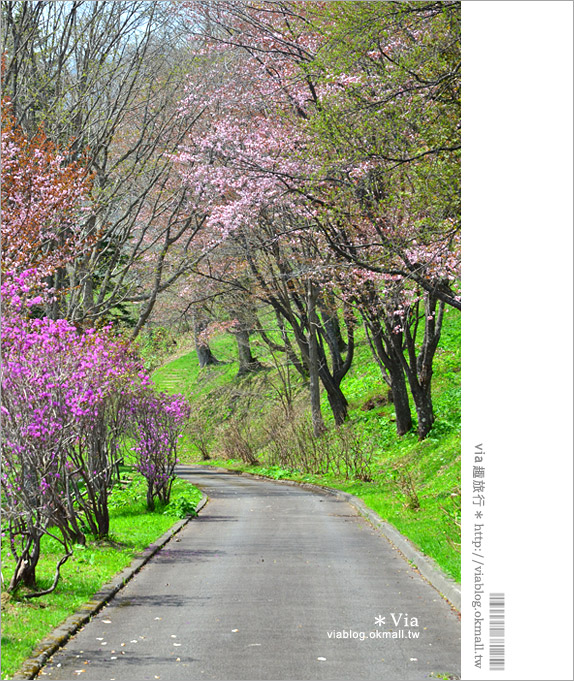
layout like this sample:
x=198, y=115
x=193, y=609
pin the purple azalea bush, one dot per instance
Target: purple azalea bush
x=70, y=399
x=157, y=423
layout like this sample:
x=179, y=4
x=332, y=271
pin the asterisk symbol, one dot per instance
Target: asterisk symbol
x=478, y=514
x=379, y=620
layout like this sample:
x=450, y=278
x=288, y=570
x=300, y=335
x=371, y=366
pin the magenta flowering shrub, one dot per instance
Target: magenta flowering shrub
x=37, y=406
x=70, y=400
x=62, y=415
x=113, y=375
x=22, y=290
x=158, y=420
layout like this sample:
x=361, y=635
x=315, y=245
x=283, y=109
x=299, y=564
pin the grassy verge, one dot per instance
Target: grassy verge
x=411, y=484
x=25, y=623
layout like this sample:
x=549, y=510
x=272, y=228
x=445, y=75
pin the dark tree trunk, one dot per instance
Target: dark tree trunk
x=75, y=536
x=86, y=278
x=29, y=570
x=331, y=325
x=337, y=401
x=247, y=363
x=150, y=499
x=102, y=515
x=25, y=572
x=424, y=409
x=393, y=374
x=418, y=368
x=332, y=377
x=404, y=422
x=65, y=517
x=204, y=355
x=314, y=388
x=98, y=485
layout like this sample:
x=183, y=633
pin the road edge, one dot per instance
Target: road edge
x=446, y=586
x=59, y=636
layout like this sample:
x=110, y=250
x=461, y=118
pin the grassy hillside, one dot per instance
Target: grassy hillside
x=260, y=423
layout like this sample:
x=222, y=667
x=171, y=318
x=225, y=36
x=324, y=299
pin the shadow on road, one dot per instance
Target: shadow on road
x=177, y=555
x=161, y=601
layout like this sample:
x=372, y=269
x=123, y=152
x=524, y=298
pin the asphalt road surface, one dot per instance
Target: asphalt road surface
x=270, y=582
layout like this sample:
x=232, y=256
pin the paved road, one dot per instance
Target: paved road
x=258, y=587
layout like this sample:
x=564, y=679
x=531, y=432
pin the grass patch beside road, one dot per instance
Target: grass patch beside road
x=133, y=528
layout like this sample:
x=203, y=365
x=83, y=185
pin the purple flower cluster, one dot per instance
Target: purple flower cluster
x=157, y=422
x=69, y=401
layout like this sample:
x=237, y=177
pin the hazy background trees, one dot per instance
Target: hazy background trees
x=102, y=80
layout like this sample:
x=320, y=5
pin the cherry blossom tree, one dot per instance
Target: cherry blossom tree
x=347, y=119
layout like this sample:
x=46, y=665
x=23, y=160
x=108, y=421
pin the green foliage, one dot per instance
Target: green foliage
x=183, y=375
x=401, y=64
x=184, y=500
x=130, y=490
x=155, y=345
x=181, y=508
x=274, y=472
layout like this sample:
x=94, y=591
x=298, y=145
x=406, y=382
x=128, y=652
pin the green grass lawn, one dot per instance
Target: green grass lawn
x=413, y=485
x=26, y=622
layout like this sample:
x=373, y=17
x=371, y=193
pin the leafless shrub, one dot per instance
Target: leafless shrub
x=353, y=455
x=293, y=444
x=200, y=434
x=406, y=480
x=238, y=442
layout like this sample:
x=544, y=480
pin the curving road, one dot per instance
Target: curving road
x=269, y=582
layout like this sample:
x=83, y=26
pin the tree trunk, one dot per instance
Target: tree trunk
x=97, y=485
x=247, y=363
x=25, y=572
x=86, y=277
x=401, y=403
x=419, y=368
x=331, y=376
x=150, y=498
x=394, y=376
x=28, y=574
x=314, y=387
x=332, y=327
x=102, y=515
x=424, y=409
x=66, y=518
x=337, y=401
x=204, y=355
x=422, y=399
